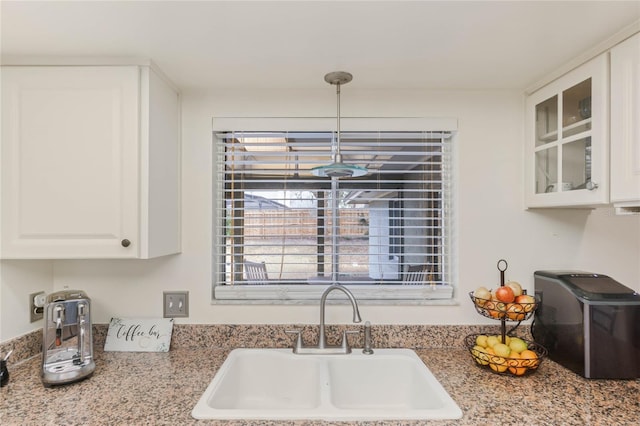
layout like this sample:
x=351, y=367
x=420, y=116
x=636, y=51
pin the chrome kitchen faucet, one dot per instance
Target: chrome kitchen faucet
x=322, y=347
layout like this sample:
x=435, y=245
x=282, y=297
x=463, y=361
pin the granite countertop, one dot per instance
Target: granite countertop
x=130, y=388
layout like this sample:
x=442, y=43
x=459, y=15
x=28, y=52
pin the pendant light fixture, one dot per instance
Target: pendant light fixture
x=338, y=169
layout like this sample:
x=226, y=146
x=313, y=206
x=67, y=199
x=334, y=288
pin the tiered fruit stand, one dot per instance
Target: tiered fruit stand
x=505, y=312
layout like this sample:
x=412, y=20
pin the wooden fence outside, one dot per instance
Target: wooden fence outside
x=266, y=223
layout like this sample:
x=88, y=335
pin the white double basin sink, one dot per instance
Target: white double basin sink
x=276, y=384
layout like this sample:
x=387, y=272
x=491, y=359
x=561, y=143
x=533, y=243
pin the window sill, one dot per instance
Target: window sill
x=306, y=294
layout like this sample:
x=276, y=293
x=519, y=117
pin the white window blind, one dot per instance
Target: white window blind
x=388, y=229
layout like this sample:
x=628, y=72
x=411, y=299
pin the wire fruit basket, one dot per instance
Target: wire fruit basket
x=515, y=311
x=497, y=352
x=516, y=363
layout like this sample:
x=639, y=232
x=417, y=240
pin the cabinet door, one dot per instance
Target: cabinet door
x=70, y=155
x=567, y=139
x=625, y=122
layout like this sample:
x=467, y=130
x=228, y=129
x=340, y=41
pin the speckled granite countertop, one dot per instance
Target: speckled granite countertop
x=132, y=388
x=162, y=388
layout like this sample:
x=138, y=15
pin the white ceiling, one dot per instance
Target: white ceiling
x=292, y=44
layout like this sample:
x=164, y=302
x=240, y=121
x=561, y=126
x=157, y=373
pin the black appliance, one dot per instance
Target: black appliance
x=589, y=323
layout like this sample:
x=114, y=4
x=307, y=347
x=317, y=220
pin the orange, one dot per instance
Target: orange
x=490, y=308
x=498, y=364
x=515, y=312
x=495, y=314
x=529, y=359
x=527, y=302
x=515, y=365
x=493, y=307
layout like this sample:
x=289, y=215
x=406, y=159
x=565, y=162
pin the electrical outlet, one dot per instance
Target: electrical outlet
x=176, y=304
x=36, y=305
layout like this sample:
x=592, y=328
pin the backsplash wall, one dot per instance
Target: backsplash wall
x=231, y=336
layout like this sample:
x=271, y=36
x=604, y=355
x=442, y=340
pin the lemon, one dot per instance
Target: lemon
x=492, y=341
x=518, y=345
x=502, y=350
x=481, y=340
x=498, y=364
x=480, y=355
x=507, y=340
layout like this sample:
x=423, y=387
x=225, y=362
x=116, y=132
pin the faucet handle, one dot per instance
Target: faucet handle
x=367, y=339
x=298, y=339
x=345, y=340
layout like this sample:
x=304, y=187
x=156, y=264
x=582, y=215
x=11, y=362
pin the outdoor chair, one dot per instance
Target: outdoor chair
x=256, y=272
x=416, y=275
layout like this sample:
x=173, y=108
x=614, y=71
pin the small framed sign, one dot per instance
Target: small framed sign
x=139, y=335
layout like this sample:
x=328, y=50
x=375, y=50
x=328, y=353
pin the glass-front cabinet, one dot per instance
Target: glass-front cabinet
x=567, y=138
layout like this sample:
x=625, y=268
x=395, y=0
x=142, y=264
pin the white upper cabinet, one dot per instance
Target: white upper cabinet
x=567, y=139
x=625, y=125
x=90, y=163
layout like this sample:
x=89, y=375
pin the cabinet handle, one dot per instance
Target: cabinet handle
x=125, y=243
x=591, y=186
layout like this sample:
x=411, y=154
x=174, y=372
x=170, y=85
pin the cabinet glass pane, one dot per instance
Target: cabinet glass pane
x=576, y=109
x=547, y=170
x=576, y=164
x=547, y=121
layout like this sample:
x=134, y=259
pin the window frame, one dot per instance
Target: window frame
x=369, y=294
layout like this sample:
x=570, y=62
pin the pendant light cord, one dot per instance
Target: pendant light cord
x=338, y=169
x=338, y=156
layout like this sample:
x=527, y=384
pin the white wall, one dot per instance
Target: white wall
x=492, y=222
x=19, y=279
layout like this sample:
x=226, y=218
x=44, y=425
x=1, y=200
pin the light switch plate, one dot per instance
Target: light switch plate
x=175, y=304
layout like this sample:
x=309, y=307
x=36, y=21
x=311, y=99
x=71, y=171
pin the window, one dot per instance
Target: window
x=385, y=235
